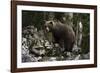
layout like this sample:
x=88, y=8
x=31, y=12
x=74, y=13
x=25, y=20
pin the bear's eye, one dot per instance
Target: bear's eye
x=51, y=22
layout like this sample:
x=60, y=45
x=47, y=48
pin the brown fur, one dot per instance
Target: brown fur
x=63, y=34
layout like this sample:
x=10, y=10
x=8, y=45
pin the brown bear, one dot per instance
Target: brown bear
x=63, y=34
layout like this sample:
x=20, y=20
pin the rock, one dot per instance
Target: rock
x=78, y=57
x=86, y=56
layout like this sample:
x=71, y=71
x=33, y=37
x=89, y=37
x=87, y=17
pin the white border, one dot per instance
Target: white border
x=55, y=63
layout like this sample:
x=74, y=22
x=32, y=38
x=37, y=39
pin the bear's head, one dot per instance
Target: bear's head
x=49, y=25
